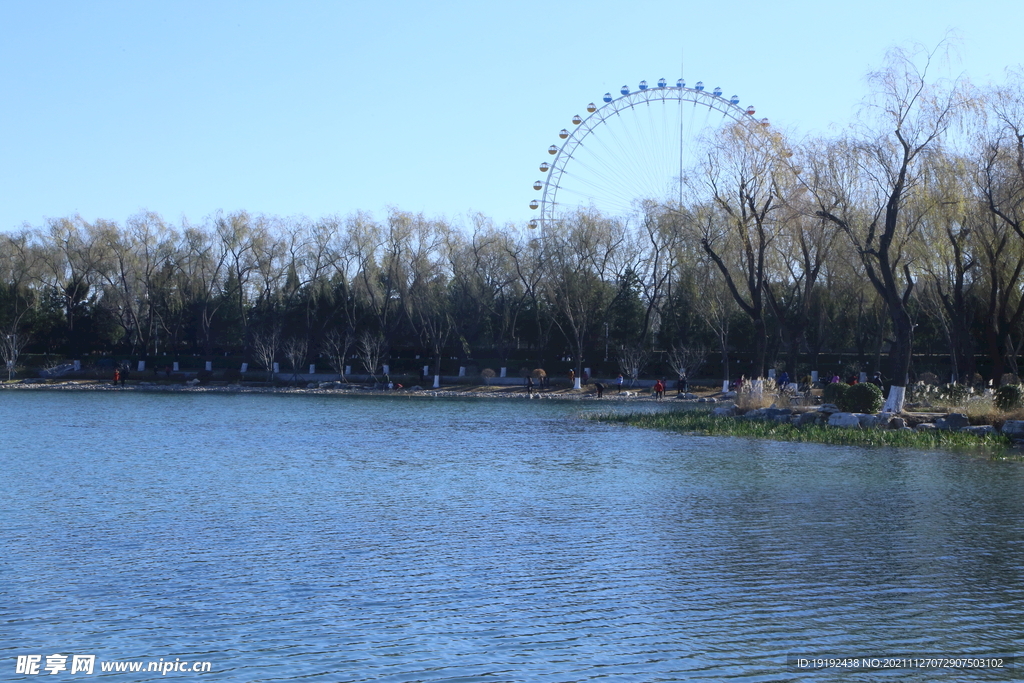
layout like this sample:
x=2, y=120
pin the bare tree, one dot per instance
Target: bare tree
x=371, y=350
x=336, y=345
x=264, y=348
x=687, y=360
x=12, y=343
x=295, y=352
x=633, y=360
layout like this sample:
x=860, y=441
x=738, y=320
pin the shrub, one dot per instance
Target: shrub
x=861, y=398
x=833, y=393
x=1009, y=397
x=487, y=374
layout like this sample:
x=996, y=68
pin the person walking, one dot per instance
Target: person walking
x=618, y=382
x=529, y=386
x=600, y=389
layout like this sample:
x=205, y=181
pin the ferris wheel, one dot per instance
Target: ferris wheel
x=636, y=146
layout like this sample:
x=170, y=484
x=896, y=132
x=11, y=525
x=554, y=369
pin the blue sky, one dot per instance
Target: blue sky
x=317, y=108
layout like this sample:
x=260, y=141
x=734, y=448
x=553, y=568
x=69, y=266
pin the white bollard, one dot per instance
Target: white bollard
x=245, y=367
x=814, y=375
x=577, y=383
x=771, y=373
x=348, y=369
x=863, y=377
x=387, y=369
x=175, y=366
x=426, y=370
x=503, y=373
x=78, y=365
x=725, y=385
x=209, y=366
x=462, y=371
x=277, y=368
x=142, y=366
x=437, y=381
x=312, y=368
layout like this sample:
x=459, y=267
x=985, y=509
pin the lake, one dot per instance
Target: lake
x=283, y=537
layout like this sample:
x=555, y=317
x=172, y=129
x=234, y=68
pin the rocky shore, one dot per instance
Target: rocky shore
x=830, y=415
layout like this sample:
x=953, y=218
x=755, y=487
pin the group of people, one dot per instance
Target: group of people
x=659, y=387
x=875, y=379
x=120, y=375
x=784, y=380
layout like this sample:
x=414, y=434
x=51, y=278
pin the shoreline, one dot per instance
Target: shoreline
x=342, y=389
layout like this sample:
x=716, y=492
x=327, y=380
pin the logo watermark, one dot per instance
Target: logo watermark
x=54, y=664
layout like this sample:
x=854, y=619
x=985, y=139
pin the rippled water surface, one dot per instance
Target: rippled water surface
x=396, y=539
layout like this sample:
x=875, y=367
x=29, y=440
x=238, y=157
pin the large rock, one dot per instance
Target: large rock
x=1014, y=428
x=898, y=423
x=848, y=420
x=926, y=427
x=952, y=422
x=828, y=408
x=805, y=419
x=866, y=420
x=769, y=414
x=724, y=411
x=979, y=430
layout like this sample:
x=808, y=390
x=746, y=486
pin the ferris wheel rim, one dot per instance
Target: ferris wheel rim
x=627, y=101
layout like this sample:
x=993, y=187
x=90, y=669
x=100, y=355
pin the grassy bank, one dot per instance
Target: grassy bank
x=703, y=423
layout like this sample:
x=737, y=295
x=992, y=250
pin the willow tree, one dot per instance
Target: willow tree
x=743, y=180
x=1001, y=185
x=953, y=238
x=872, y=182
x=579, y=256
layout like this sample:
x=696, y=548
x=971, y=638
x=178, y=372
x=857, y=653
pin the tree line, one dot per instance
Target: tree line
x=905, y=232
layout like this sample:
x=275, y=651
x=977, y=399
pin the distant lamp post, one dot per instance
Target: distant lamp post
x=12, y=341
